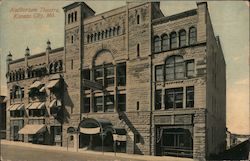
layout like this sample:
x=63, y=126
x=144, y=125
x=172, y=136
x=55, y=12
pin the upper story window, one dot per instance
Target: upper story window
x=138, y=19
x=192, y=35
x=121, y=74
x=17, y=92
x=157, y=44
x=165, y=42
x=98, y=104
x=159, y=73
x=122, y=102
x=174, y=68
x=182, y=38
x=109, y=76
x=86, y=105
x=109, y=103
x=75, y=16
x=190, y=96
x=190, y=68
x=173, y=40
x=174, y=98
x=158, y=99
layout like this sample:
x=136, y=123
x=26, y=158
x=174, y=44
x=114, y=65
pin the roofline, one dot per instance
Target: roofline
x=72, y=5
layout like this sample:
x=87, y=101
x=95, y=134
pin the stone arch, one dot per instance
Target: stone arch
x=103, y=56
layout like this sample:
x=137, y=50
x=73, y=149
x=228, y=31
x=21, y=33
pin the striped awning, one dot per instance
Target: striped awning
x=36, y=105
x=32, y=129
x=16, y=107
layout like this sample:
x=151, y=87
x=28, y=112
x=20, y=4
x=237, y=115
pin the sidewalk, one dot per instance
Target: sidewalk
x=121, y=155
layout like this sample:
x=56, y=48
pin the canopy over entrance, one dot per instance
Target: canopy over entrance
x=94, y=126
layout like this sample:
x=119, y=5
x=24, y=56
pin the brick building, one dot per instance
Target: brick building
x=153, y=84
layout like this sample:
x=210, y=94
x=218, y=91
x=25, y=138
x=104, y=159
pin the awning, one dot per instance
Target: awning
x=94, y=126
x=16, y=107
x=36, y=105
x=52, y=83
x=32, y=129
x=95, y=130
x=36, y=84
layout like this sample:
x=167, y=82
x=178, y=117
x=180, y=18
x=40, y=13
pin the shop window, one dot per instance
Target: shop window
x=165, y=42
x=159, y=73
x=158, y=94
x=174, y=98
x=122, y=102
x=109, y=103
x=190, y=68
x=98, y=104
x=182, y=38
x=157, y=44
x=192, y=35
x=173, y=40
x=174, y=68
x=121, y=74
x=190, y=96
x=86, y=105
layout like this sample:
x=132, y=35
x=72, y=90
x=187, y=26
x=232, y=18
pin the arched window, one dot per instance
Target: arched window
x=98, y=36
x=173, y=40
x=110, y=32
x=60, y=65
x=72, y=39
x=192, y=35
x=165, y=42
x=157, y=44
x=138, y=19
x=138, y=50
x=75, y=16
x=68, y=18
x=95, y=37
x=72, y=17
x=88, y=38
x=55, y=67
x=174, y=68
x=182, y=38
x=118, y=30
x=114, y=31
x=103, y=34
x=91, y=38
x=106, y=34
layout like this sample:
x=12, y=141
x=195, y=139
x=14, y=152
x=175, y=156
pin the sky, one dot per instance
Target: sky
x=230, y=21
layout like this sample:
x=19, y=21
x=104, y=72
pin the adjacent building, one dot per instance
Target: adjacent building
x=130, y=78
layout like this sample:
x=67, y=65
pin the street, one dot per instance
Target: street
x=18, y=153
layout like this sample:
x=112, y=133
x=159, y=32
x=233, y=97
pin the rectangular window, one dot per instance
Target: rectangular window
x=98, y=106
x=121, y=74
x=99, y=75
x=109, y=103
x=109, y=73
x=122, y=102
x=169, y=71
x=158, y=99
x=86, y=105
x=174, y=98
x=86, y=74
x=159, y=73
x=190, y=96
x=72, y=64
x=190, y=68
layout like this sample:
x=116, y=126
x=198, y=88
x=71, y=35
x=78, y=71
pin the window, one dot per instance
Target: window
x=174, y=98
x=190, y=68
x=114, y=31
x=182, y=38
x=137, y=105
x=91, y=38
x=109, y=73
x=72, y=39
x=72, y=17
x=158, y=94
x=75, y=16
x=118, y=30
x=72, y=64
x=190, y=96
x=98, y=104
x=17, y=113
x=68, y=18
x=173, y=40
x=174, y=68
x=159, y=73
x=99, y=75
x=121, y=74
x=165, y=42
x=192, y=35
x=138, y=50
x=110, y=32
x=98, y=36
x=60, y=65
x=86, y=74
x=138, y=19
x=109, y=103
x=157, y=44
x=86, y=105
x=122, y=102
x=37, y=112
x=95, y=37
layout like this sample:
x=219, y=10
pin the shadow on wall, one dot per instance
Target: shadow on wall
x=68, y=104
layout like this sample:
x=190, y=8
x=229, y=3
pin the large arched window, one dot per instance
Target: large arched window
x=165, y=42
x=157, y=44
x=182, y=38
x=173, y=40
x=174, y=68
x=192, y=35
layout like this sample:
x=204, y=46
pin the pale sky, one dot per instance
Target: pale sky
x=230, y=21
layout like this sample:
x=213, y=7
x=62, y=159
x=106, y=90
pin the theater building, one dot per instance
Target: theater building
x=129, y=80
